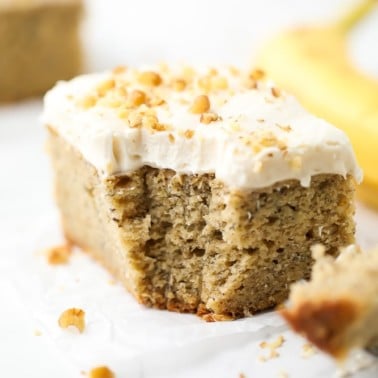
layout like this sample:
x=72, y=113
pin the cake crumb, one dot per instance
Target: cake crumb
x=37, y=332
x=59, y=254
x=101, y=372
x=273, y=346
x=308, y=350
x=242, y=375
x=72, y=317
x=210, y=317
x=283, y=374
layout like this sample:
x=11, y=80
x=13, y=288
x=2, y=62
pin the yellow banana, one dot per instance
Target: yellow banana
x=313, y=64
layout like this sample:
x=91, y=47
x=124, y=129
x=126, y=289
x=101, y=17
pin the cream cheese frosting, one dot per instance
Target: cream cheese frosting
x=235, y=125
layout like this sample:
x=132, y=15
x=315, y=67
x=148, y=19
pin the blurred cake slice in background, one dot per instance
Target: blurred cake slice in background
x=337, y=310
x=201, y=189
x=39, y=45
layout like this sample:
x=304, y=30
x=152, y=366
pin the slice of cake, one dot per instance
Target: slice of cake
x=39, y=45
x=338, y=309
x=202, y=191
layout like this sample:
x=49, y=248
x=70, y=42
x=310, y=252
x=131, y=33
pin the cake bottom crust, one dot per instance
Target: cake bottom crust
x=188, y=243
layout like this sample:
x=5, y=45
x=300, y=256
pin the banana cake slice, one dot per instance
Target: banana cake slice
x=202, y=189
x=337, y=309
x=39, y=45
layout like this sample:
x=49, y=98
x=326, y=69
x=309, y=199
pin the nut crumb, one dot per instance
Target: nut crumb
x=179, y=85
x=257, y=74
x=273, y=346
x=119, y=70
x=171, y=138
x=308, y=350
x=137, y=98
x=88, y=102
x=207, y=118
x=286, y=128
x=276, y=92
x=201, y=104
x=105, y=86
x=72, y=317
x=59, y=254
x=101, y=372
x=150, y=78
x=189, y=134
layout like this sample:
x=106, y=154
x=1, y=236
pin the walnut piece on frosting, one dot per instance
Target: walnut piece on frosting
x=101, y=372
x=72, y=317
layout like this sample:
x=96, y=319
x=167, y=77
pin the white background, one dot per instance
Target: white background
x=138, y=342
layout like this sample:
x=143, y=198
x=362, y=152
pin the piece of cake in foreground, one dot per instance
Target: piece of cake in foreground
x=39, y=45
x=202, y=191
x=337, y=309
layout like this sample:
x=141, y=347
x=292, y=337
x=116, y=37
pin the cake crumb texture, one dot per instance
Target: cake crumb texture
x=189, y=243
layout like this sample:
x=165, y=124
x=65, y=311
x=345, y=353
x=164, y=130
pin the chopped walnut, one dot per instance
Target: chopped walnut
x=286, y=128
x=276, y=92
x=88, y=102
x=257, y=74
x=72, y=317
x=123, y=112
x=207, y=118
x=218, y=83
x=189, y=134
x=105, y=86
x=59, y=254
x=101, y=372
x=179, y=85
x=204, y=83
x=156, y=101
x=119, y=70
x=150, y=78
x=137, y=98
x=201, y=104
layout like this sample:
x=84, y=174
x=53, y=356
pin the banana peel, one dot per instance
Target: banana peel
x=313, y=64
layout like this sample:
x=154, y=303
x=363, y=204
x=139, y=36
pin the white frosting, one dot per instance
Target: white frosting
x=309, y=146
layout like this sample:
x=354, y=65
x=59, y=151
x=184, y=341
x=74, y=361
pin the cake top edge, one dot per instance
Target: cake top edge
x=26, y=4
x=236, y=124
